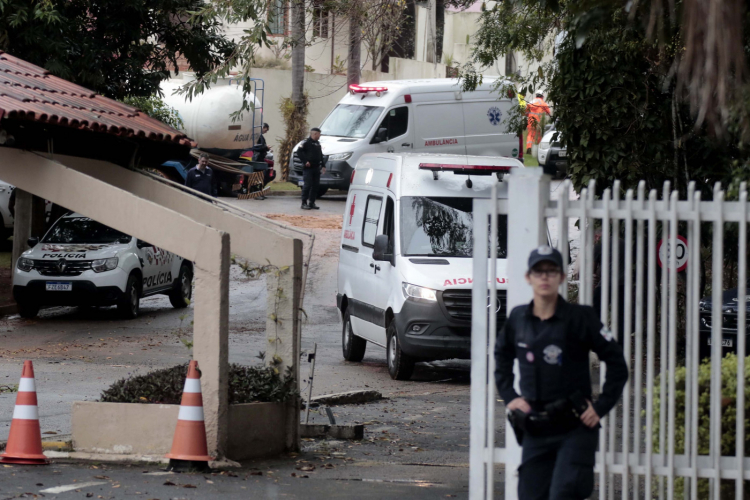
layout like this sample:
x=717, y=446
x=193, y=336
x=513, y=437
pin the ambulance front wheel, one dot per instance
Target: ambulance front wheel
x=353, y=346
x=400, y=365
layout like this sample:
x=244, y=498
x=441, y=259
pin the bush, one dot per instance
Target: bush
x=247, y=384
x=728, y=417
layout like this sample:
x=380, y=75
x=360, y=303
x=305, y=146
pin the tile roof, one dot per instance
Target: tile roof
x=32, y=93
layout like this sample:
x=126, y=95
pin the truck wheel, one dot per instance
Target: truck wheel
x=322, y=191
x=353, y=346
x=400, y=365
x=28, y=310
x=129, y=304
x=181, y=295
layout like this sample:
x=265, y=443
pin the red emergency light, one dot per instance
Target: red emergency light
x=363, y=89
x=464, y=169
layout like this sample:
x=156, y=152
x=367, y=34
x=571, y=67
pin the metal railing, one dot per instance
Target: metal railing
x=660, y=312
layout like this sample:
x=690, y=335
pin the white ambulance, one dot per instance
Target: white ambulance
x=430, y=116
x=405, y=264
x=81, y=262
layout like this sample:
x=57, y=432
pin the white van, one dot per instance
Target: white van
x=431, y=116
x=405, y=266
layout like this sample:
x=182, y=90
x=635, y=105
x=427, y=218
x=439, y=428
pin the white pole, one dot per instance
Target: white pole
x=528, y=195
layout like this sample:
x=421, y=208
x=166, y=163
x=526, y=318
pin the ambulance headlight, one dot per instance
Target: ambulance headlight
x=25, y=264
x=101, y=265
x=415, y=292
x=340, y=156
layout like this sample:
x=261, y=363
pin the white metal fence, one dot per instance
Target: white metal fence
x=650, y=446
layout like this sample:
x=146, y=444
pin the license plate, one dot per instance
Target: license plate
x=562, y=153
x=724, y=342
x=301, y=183
x=59, y=286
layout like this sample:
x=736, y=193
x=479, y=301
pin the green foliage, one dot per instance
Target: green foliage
x=155, y=107
x=114, y=47
x=8, y=388
x=728, y=416
x=247, y=384
x=295, y=123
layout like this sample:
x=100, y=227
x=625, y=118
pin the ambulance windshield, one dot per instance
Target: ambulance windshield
x=442, y=227
x=350, y=120
x=82, y=230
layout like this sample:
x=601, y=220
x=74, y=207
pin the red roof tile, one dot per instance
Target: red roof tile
x=32, y=93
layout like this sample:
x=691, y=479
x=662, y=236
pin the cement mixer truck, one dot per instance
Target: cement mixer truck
x=206, y=119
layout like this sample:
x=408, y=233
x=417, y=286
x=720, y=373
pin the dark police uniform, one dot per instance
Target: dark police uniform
x=205, y=181
x=553, y=357
x=310, y=151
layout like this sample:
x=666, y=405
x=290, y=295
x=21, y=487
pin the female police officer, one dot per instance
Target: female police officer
x=554, y=414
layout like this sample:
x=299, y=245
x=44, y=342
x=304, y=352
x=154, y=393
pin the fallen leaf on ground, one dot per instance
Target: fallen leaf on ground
x=169, y=483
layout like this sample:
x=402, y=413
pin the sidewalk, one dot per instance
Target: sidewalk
x=414, y=447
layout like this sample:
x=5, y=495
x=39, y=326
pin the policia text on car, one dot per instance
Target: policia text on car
x=554, y=418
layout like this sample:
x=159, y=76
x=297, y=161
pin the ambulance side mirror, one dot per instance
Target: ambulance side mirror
x=380, y=136
x=379, y=252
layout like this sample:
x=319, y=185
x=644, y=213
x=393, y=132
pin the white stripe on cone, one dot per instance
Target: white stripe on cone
x=27, y=385
x=192, y=385
x=193, y=413
x=26, y=412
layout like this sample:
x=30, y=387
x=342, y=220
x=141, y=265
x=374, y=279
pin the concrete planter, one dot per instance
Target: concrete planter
x=255, y=429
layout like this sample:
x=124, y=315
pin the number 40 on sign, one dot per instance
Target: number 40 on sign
x=663, y=253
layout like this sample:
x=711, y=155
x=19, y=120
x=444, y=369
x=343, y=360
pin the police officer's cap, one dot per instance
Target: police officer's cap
x=545, y=253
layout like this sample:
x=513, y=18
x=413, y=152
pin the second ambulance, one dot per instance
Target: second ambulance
x=405, y=263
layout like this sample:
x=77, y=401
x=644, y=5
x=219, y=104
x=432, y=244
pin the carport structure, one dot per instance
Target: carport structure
x=63, y=143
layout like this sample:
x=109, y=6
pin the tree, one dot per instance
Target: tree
x=155, y=107
x=298, y=50
x=618, y=107
x=116, y=48
x=380, y=25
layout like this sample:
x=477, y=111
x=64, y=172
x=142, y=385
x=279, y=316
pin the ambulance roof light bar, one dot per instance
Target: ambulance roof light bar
x=364, y=89
x=499, y=170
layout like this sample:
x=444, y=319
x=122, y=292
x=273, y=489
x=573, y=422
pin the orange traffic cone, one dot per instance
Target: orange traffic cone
x=189, y=444
x=25, y=440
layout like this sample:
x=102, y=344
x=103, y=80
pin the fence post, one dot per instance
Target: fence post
x=528, y=196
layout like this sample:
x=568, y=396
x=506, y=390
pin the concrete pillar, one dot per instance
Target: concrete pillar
x=528, y=195
x=284, y=287
x=211, y=339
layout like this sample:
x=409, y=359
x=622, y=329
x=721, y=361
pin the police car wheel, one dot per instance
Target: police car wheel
x=28, y=309
x=352, y=346
x=180, y=296
x=400, y=365
x=129, y=304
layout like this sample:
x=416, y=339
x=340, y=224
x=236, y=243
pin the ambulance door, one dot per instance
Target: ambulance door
x=367, y=310
x=395, y=132
x=384, y=273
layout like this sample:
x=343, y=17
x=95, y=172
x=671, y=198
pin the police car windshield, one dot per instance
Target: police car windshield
x=81, y=230
x=442, y=227
x=350, y=120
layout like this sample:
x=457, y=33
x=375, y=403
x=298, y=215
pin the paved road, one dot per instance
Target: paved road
x=416, y=441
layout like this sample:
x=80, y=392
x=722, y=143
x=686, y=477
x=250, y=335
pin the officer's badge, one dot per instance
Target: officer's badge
x=553, y=355
x=607, y=334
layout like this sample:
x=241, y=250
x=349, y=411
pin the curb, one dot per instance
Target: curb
x=8, y=310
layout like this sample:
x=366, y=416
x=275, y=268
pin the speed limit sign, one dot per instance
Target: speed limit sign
x=663, y=253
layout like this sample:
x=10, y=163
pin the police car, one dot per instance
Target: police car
x=81, y=262
x=405, y=264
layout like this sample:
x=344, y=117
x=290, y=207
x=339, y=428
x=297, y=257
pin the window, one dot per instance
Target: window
x=388, y=224
x=320, y=19
x=350, y=120
x=277, y=17
x=443, y=227
x=372, y=218
x=82, y=230
x=396, y=122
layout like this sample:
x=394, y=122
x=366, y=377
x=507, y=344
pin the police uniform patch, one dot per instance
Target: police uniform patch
x=553, y=355
x=530, y=357
x=607, y=334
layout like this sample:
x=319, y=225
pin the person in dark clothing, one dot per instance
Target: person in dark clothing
x=551, y=339
x=311, y=156
x=201, y=177
x=261, y=149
